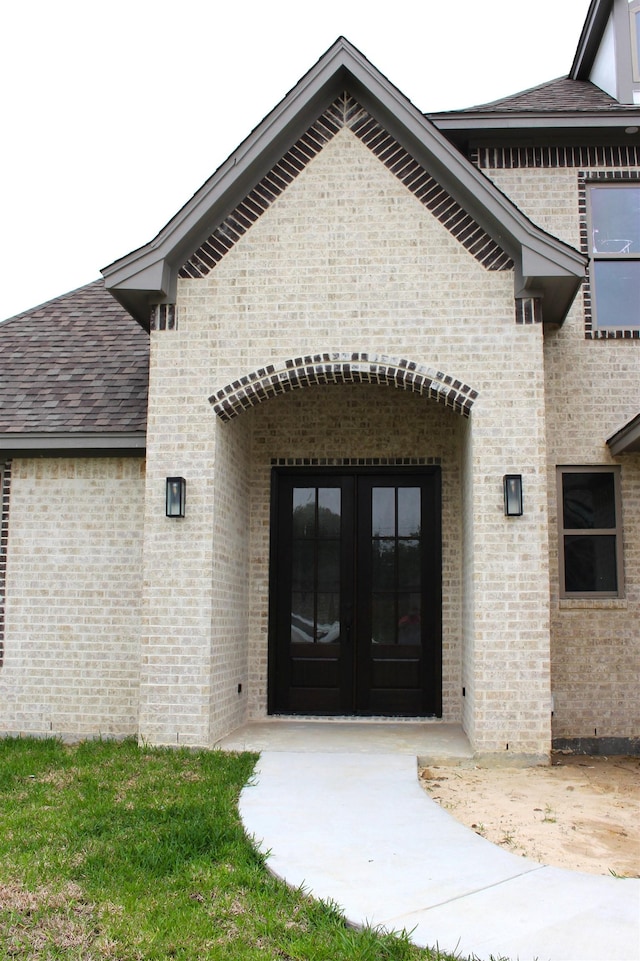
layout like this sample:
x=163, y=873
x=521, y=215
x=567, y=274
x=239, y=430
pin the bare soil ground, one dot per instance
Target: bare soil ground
x=581, y=813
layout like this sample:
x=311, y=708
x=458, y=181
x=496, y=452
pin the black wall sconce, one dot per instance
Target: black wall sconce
x=176, y=496
x=512, y=495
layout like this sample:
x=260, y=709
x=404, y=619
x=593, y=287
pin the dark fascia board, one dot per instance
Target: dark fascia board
x=590, y=38
x=71, y=443
x=484, y=121
x=149, y=274
x=627, y=439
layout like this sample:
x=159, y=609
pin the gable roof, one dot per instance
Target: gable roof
x=76, y=365
x=544, y=266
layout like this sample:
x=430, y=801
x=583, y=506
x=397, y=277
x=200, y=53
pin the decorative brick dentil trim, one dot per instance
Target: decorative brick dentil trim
x=163, y=317
x=5, y=490
x=528, y=310
x=356, y=461
x=512, y=158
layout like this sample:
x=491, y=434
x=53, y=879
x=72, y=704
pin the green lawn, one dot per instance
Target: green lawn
x=112, y=851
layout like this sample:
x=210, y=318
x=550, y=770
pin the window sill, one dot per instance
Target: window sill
x=592, y=604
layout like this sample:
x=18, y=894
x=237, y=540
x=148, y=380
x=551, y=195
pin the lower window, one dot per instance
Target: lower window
x=590, y=534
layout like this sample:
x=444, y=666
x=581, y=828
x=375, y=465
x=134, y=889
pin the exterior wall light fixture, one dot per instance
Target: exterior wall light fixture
x=512, y=495
x=176, y=494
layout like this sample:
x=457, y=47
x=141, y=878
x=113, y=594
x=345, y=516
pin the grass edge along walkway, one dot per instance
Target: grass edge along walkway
x=111, y=851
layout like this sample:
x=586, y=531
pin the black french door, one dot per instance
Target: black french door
x=355, y=602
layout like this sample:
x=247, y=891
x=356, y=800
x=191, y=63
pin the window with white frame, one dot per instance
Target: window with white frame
x=614, y=223
x=590, y=533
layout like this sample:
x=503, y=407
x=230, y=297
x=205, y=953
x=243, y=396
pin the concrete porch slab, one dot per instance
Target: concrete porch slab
x=429, y=740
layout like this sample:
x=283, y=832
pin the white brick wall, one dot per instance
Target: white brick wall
x=347, y=260
x=591, y=390
x=73, y=597
x=176, y=657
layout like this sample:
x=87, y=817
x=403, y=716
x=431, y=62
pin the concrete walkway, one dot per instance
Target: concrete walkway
x=357, y=829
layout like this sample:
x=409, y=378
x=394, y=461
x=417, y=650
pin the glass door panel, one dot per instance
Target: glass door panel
x=315, y=565
x=309, y=564
x=355, y=622
x=398, y=595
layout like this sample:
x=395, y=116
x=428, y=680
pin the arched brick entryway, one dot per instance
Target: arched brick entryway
x=342, y=368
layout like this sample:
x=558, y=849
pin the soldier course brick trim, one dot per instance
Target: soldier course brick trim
x=163, y=317
x=5, y=488
x=356, y=461
x=586, y=177
x=345, y=111
x=512, y=158
x=528, y=310
x=356, y=368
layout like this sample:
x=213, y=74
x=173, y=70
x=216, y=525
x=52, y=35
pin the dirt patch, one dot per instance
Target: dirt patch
x=581, y=813
x=44, y=923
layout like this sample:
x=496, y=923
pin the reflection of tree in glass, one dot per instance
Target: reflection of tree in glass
x=395, y=563
x=304, y=522
x=384, y=563
x=588, y=500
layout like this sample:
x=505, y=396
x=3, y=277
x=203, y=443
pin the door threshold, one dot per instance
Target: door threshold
x=354, y=719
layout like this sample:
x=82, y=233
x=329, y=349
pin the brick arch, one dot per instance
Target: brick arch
x=357, y=368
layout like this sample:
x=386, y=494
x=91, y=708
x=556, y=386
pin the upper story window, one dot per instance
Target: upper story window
x=590, y=533
x=615, y=255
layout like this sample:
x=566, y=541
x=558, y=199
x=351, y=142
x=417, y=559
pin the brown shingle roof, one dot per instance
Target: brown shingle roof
x=79, y=363
x=562, y=94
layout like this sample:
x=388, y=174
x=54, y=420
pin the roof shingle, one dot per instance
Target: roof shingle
x=562, y=94
x=79, y=363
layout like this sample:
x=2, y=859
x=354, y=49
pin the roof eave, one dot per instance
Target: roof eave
x=618, y=118
x=627, y=439
x=555, y=280
x=61, y=443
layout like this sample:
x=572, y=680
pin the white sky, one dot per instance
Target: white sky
x=113, y=114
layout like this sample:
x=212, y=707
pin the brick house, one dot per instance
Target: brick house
x=356, y=434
